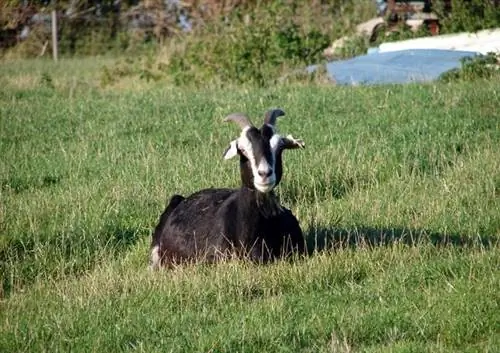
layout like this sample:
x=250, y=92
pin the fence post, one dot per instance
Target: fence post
x=54, y=35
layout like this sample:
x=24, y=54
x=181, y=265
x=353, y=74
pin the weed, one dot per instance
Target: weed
x=474, y=68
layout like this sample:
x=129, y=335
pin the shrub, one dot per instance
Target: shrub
x=258, y=43
x=468, y=16
x=254, y=53
x=472, y=68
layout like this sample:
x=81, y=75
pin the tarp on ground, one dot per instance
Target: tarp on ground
x=483, y=42
x=416, y=65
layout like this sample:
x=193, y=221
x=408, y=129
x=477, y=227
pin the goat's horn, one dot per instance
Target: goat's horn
x=240, y=119
x=272, y=115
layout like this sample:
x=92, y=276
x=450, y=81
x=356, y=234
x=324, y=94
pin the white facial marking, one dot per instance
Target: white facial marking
x=264, y=167
x=245, y=146
x=265, y=178
x=263, y=183
x=275, y=143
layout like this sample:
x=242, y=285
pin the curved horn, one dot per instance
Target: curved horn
x=240, y=119
x=272, y=115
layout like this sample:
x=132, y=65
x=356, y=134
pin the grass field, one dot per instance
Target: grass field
x=398, y=190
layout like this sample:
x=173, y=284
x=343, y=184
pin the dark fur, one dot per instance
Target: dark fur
x=214, y=223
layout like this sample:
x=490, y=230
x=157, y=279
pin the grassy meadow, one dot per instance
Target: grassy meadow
x=397, y=191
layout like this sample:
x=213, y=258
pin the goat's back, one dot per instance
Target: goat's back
x=188, y=228
x=212, y=222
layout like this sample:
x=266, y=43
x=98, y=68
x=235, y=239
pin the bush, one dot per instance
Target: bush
x=258, y=43
x=255, y=53
x=468, y=16
x=473, y=68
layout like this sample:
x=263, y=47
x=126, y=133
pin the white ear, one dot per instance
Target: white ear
x=232, y=150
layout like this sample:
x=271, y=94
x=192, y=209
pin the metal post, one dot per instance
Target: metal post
x=54, y=35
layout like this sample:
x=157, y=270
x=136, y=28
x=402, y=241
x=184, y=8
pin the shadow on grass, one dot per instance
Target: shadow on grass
x=324, y=238
x=18, y=185
x=121, y=239
x=26, y=258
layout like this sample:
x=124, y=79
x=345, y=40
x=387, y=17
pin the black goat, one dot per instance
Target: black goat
x=247, y=222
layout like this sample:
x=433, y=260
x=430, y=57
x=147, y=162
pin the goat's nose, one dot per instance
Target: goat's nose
x=265, y=173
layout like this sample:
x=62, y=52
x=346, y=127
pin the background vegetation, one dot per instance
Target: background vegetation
x=192, y=43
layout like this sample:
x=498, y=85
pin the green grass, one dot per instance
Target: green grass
x=402, y=181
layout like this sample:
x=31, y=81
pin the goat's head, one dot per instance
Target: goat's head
x=260, y=150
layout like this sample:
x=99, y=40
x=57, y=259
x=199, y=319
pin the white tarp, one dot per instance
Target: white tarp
x=481, y=42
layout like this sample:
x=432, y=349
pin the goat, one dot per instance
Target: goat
x=248, y=221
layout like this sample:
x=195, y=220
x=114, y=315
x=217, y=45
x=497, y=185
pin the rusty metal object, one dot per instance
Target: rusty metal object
x=414, y=14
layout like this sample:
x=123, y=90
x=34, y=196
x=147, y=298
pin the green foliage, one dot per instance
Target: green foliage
x=92, y=38
x=46, y=80
x=257, y=44
x=353, y=46
x=474, y=68
x=246, y=53
x=144, y=68
x=119, y=70
x=468, y=16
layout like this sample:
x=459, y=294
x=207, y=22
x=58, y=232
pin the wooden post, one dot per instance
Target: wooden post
x=54, y=35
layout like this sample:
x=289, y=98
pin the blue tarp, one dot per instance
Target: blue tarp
x=414, y=65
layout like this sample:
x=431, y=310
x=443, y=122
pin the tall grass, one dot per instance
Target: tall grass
x=397, y=191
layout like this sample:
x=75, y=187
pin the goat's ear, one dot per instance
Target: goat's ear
x=232, y=150
x=290, y=142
